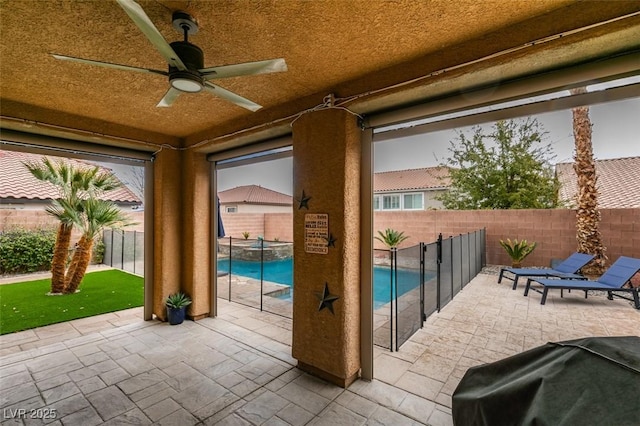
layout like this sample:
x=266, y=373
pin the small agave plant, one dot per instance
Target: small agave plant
x=517, y=250
x=178, y=300
x=391, y=238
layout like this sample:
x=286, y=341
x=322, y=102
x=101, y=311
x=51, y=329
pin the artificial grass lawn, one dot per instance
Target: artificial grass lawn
x=26, y=305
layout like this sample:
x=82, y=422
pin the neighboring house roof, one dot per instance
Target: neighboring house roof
x=618, y=183
x=17, y=183
x=429, y=178
x=254, y=194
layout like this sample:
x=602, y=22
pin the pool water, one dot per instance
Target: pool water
x=281, y=272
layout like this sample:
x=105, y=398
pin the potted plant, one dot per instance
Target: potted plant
x=517, y=250
x=246, y=235
x=176, y=307
x=391, y=238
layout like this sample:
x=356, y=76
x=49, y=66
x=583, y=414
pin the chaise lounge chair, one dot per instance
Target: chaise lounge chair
x=612, y=280
x=567, y=269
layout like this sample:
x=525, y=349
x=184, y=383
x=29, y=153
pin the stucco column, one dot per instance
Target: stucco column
x=326, y=166
x=181, y=230
x=167, y=233
x=196, y=228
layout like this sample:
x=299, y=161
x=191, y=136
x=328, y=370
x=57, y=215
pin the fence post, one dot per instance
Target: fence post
x=423, y=316
x=461, y=263
x=469, y=257
x=451, y=258
x=122, y=252
x=111, y=260
x=395, y=291
x=391, y=257
x=230, y=251
x=438, y=262
x=134, y=252
x=261, y=271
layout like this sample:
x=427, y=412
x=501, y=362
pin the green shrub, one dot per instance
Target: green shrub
x=98, y=251
x=517, y=250
x=26, y=250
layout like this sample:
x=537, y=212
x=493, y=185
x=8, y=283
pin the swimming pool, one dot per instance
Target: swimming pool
x=281, y=272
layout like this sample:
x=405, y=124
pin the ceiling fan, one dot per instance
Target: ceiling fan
x=187, y=73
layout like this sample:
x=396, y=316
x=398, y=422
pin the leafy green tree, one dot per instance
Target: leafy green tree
x=513, y=171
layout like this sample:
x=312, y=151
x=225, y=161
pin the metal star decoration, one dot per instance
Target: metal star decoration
x=303, y=201
x=331, y=241
x=326, y=299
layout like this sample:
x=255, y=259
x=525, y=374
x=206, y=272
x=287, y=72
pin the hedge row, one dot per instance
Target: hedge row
x=28, y=250
x=23, y=251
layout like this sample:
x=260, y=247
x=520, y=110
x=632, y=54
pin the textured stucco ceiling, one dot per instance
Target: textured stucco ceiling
x=344, y=47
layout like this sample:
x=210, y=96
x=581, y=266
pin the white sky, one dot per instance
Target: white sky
x=616, y=134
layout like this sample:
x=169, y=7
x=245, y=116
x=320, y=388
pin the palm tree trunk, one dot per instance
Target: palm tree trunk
x=73, y=266
x=59, y=259
x=84, y=257
x=587, y=214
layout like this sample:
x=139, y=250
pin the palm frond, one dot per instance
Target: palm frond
x=100, y=214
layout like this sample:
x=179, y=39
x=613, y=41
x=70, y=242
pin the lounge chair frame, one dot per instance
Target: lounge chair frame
x=568, y=269
x=612, y=281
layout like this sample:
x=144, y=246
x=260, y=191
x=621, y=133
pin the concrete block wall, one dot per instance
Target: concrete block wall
x=553, y=230
x=278, y=225
x=34, y=219
x=237, y=223
x=29, y=219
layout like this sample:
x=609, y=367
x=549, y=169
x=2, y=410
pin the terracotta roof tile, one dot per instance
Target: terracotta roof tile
x=254, y=194
x=618, y=183
x=16, y=182
x=412, y=179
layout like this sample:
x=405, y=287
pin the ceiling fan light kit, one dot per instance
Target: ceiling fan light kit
x=193, y=58
x=186, y=73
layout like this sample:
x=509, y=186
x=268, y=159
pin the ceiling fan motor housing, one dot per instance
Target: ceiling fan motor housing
x=193, y=58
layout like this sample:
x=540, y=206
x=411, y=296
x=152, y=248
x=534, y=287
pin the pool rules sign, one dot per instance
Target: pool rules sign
x=316, y=233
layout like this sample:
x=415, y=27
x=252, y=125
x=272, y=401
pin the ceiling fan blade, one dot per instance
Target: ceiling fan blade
x=108, y=64
x=140, y=18
x=169, y=97
x=247, y=68
x=231, y=97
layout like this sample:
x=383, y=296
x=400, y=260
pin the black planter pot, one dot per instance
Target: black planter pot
x=175, y=316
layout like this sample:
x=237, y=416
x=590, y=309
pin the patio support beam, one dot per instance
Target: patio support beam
x=182, y=232
x=196, y=232
x=326, y=166
x=167, y=232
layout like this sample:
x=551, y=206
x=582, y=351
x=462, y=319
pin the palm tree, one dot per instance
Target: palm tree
x=587, y=214
x=65, y=213
x=96, y=214
x=73, y=184
x=391, y=238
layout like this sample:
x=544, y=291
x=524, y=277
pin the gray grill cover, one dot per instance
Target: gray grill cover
x=591, y=381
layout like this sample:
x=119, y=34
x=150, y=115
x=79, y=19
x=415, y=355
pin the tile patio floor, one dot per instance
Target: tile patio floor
x=236, y=369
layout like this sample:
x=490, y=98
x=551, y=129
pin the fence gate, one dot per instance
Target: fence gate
x=421, y=280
